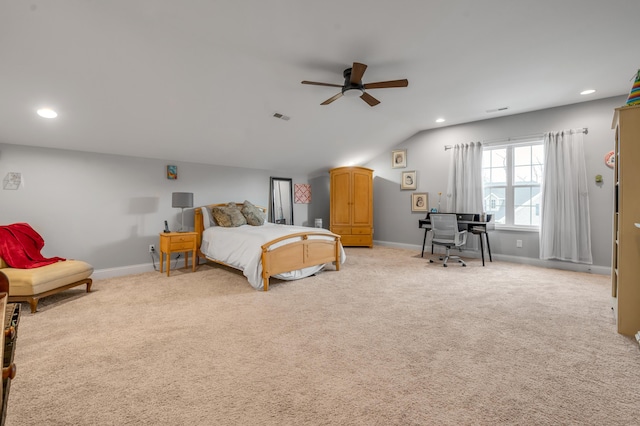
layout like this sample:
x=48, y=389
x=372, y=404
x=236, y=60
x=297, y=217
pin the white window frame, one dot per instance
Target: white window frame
x=509, y=185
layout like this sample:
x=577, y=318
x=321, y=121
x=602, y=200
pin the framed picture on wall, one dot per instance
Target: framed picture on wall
x=172, y=172
x=399, y=158
x=419, y=202
x=409, y=180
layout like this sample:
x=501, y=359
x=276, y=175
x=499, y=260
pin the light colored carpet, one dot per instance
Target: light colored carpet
x=388, y=340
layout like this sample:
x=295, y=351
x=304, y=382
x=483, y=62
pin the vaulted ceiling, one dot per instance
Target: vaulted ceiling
x=201, y=80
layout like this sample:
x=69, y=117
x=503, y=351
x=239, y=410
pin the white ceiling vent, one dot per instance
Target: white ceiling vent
x=281, y=116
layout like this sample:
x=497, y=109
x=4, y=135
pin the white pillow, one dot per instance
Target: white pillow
x=207, y=219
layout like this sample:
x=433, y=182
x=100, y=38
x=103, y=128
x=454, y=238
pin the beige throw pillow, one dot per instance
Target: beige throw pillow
x=229, y=216
x=253, y=214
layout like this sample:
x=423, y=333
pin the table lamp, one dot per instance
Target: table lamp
x=182, y=200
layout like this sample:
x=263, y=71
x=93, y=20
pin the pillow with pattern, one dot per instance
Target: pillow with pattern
x=229, y=216
x=253, y=214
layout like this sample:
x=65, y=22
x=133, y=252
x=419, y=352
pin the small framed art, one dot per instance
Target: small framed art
x=419, y=202
x=302, y=193
x=399, y=158
x=409, y=180
x=12, y=180
x=172, y=172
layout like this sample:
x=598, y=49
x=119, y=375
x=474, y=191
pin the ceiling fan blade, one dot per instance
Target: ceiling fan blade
x=331, y=99
x=369, y=99
x=357, y=71
x=315, y=83
x=385, y=84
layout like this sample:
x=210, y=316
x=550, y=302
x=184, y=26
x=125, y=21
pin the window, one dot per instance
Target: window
x=512, y=180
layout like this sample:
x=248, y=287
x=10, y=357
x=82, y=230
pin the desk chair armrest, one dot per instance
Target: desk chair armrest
x=460, y=238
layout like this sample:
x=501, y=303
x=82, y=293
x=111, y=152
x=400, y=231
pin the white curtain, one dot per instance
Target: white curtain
x=464, y=191
x=565, y=231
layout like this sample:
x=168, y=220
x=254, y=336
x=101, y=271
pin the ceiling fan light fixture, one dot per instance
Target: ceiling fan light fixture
x=353, y=86
x=353, y=92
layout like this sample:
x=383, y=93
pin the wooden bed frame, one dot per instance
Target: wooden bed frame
x=296, y=255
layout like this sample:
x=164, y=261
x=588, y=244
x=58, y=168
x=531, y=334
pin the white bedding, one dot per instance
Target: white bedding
x=240, y=247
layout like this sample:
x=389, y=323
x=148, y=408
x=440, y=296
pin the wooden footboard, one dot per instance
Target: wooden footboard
x=303, y=253
x=305, y=249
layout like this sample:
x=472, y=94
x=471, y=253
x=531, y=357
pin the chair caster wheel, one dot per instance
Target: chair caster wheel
x=445, y=265
x=430, y=261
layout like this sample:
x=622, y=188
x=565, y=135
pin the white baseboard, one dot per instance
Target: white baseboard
x=553, y=264
x=577, y=267
x=101, y=274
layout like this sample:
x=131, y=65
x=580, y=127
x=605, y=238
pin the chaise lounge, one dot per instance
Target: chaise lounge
x=30, y=285
x=32, y=276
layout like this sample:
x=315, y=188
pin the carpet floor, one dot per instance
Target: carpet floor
x=388, y=340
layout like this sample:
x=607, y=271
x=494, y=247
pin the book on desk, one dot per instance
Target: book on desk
x=474, y=223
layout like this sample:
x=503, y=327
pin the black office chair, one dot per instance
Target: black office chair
x=446, y=233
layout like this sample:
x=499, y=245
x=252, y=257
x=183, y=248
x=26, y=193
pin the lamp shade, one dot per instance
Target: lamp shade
x=182, y=199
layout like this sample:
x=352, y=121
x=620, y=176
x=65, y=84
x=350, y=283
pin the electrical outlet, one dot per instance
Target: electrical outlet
x=519, y=243
x=152, y=248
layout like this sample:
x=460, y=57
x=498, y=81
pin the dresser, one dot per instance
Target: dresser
x=625, y=263
x=351, y=211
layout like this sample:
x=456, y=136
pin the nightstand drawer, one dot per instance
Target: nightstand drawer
x=182, y=239
x=176, y=245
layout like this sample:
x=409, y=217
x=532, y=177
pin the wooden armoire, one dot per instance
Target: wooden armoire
x=626, y=220
x=351, y=214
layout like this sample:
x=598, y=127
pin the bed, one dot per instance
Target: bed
x=270, y=250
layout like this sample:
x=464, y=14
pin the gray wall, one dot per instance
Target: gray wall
x=394, y=222
x=319, y=207
x=107, y=209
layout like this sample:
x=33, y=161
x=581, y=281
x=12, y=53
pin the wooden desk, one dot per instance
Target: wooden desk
x=172, y=242
x=469, y=221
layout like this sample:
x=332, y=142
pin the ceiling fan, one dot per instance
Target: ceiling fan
x=353, y=85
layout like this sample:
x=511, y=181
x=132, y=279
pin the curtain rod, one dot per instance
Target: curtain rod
x=584, y=130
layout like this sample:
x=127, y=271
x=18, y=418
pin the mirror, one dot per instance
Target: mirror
x=281, y=210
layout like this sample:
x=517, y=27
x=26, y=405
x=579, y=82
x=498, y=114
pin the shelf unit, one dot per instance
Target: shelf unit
x=625, y=262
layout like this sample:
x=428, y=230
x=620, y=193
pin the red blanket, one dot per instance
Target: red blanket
x=20, y=247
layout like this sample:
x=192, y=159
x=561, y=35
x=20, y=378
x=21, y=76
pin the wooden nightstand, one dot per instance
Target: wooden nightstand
x=172, y=242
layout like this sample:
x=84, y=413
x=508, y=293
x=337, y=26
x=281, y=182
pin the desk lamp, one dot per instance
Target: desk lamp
x=182, y=200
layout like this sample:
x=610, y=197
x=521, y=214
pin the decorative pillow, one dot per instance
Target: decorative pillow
x=229, y=216
x=253, y=214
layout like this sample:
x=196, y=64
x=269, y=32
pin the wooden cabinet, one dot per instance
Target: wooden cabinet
x=351, y=196
x=625, y=263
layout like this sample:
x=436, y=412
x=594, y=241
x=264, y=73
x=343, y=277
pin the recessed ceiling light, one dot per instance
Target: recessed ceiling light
x=587, y=92
x=47, y=113
x=440, y=120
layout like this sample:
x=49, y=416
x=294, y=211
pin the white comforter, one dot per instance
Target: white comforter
x=240, y=247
